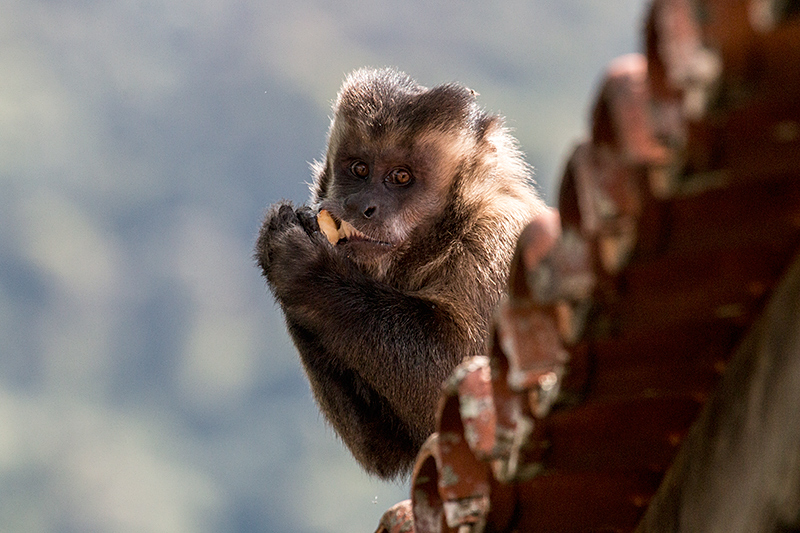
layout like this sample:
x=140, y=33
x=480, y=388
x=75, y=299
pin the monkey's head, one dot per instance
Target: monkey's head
x=396, y=150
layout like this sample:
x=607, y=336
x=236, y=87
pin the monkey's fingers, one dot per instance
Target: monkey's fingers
x=281, y=216
x=308, y=220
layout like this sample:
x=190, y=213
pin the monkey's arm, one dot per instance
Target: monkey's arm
x=376, y=356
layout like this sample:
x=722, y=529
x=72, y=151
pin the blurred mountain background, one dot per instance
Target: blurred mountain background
x=146, y=380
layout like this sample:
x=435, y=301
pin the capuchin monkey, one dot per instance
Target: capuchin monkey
x=388, y=278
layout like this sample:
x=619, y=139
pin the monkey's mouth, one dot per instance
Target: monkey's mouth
x=341, y=232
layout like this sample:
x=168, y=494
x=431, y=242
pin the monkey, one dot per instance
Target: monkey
x=428, y=193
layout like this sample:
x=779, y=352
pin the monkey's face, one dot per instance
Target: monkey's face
x=395, y=148
x=389, y=187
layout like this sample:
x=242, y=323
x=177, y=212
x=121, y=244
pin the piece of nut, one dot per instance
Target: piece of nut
x=328, y=226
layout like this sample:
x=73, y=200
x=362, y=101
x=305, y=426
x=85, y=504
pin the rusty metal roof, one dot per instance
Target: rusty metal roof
x=677, y=216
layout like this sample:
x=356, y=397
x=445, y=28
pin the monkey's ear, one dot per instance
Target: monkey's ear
x=321, y=181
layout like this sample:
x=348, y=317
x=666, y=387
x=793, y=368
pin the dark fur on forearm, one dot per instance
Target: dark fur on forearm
x=378, y=337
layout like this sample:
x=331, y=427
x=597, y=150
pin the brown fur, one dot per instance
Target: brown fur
x=380, y=326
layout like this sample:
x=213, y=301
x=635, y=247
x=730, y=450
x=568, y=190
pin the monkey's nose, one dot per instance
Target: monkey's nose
x=368, y=212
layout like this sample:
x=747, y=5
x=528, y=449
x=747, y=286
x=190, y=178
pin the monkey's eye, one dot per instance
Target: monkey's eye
x=359, y=169
x=399, y=176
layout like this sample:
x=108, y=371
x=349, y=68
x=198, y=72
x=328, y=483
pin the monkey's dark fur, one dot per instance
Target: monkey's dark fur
x=439, y=192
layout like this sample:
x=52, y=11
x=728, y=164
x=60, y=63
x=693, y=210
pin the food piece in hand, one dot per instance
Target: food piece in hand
x=335, y=230
x=328, y=226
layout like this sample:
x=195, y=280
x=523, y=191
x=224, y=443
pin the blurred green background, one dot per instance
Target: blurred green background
x=146, y=381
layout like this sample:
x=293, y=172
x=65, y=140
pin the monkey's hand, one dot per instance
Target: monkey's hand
x=288, y=242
